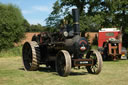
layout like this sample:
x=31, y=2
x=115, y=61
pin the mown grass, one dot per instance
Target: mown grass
x=12, y=73
x=11, y=52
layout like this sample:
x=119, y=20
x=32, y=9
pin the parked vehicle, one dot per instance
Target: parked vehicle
x=61, y=51
x=110, y=44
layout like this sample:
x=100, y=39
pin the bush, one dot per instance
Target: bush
x=36, y=28
x=11, y=25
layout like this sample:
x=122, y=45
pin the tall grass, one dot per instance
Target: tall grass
x=11, y=52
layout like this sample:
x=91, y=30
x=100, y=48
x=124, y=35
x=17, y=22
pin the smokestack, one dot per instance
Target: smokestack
x=75, y=13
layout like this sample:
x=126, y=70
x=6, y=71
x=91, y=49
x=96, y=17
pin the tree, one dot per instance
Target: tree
x=87, y=22
x=90, y=23
x=26, y=25
x=36, y=28
x=80, y=4
x=55, y=16
x=96, y=13
x=11, y=25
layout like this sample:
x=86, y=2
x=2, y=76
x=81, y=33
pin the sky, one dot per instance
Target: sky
x=34, y=11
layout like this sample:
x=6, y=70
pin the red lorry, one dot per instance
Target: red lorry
x=110, y=44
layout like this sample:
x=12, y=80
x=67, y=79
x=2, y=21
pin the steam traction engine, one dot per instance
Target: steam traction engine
x=61, y=51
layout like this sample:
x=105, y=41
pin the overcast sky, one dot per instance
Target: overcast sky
x=35, y=11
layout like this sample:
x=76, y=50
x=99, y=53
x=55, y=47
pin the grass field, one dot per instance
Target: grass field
x=12, y=73
x=11, y=52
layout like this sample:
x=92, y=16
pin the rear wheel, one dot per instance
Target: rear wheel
x=97, y=62
x=63, y=63
x=31, y=56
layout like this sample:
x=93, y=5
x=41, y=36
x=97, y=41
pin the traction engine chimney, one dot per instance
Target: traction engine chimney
x=76, y=26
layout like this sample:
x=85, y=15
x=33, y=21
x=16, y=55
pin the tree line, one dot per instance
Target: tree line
x=33, y=28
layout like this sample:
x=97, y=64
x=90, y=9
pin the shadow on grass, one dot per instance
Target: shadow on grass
x=78, y=73
x=22, y=69
x=42, y=69
x=46, y=69
x=53, y=71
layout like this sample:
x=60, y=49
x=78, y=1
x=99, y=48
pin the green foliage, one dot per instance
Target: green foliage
x=11, y=52
x=11, y=28
x=55, y=16
x=90, y=23
x=107, y=13
x=26, y=25
x=33, y=28
x=36, y=28
x=80, y=4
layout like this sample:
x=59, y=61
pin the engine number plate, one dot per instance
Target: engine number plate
x=83, y=62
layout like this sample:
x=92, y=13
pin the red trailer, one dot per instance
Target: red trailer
x=110, y=44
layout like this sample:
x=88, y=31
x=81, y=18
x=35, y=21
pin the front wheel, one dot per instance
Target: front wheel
x=97, y=62
x=63, y=63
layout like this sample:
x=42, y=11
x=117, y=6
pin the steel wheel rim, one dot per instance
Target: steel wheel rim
x=63, y=63
x=27, y=56
x=97, y=64
x=31, y=56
